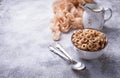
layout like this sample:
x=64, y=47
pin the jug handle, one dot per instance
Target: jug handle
x=110, y=10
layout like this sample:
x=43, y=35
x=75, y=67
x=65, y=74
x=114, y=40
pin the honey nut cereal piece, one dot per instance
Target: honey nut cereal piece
x=96, y=45
x=75, y=44
x=94, y=39
x=73, y=39
x=85, y=40
x=96, y=33
x=76, y=35
x=82, y=35
x=91, y=31
x=78, y=32
x=88, y=36
x=89, y=46
x=90, y=42
x=76, y=41
x=85, y=33
x=82, y=40
x=98, y=38
x=94, y=49
x=80, y=43
x=86, y=30
x=84, y=46
x=102, y=35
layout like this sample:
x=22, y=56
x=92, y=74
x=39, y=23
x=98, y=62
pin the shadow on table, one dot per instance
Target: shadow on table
x=83, y=73
x=108, y=66
x=104, y=67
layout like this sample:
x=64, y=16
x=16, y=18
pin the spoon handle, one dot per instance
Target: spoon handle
x=54, y=50
x=59, y=47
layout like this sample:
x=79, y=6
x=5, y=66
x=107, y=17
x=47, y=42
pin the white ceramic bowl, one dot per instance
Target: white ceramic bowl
x=88, y=55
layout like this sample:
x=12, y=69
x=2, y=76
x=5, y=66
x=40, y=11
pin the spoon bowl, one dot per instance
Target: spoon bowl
x=78, y=66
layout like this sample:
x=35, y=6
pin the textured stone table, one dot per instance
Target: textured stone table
x=25, y=34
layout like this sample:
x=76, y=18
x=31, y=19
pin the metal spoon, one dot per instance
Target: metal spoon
x=62, y=53
x=76, y=65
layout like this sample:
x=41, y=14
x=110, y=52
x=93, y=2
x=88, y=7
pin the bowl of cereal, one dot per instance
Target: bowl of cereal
x=89, y=43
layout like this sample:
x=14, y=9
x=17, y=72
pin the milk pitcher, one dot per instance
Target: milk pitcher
x=94, y=16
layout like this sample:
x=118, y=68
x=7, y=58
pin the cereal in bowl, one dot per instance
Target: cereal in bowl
x=89, y=39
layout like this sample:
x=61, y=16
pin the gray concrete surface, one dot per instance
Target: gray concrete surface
x=25, y=34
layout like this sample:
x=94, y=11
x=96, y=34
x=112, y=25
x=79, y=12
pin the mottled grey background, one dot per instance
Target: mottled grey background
x=25, y=35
